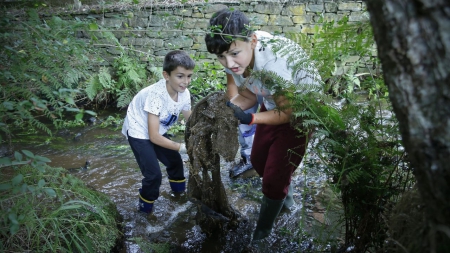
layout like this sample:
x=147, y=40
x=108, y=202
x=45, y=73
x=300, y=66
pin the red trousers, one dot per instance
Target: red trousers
x=276, y=153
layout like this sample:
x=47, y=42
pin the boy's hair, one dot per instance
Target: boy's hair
x=226, y=26
x=177, y=58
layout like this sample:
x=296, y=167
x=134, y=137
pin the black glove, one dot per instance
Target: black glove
x=244, y=118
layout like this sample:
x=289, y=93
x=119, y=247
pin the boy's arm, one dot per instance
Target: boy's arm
x=186, y=114
x=156, y=137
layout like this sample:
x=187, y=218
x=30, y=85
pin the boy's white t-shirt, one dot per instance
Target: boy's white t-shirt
x=266, y=59
x=156, y=100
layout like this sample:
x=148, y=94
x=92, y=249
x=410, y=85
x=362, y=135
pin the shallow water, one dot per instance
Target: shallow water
x=114, y=171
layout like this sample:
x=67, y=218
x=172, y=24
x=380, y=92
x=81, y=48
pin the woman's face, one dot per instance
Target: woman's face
x=239, y=56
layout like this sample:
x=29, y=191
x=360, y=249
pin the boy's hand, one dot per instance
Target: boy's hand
x=182, y=148
x=244, y=118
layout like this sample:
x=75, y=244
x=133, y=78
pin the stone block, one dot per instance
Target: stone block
x=350, y=6
x=212, y=8
x=315, y=8
x=358, y=16
x=331, y=7
x=180, y=42
x=258, y=19
x=303, y=19
x=294, y=10
x=187, y=12
x=292, y=29
x=272, y=29
x=278, y=20
x=332, y=17
x=198, y=15
x=156, y=20
x=141, y=14
x=111, y=22
x=272, y=8
x=310, y=29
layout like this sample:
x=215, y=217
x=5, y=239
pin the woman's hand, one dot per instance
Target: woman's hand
x=244, y=118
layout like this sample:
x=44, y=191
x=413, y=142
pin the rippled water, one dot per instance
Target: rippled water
x=114, y=171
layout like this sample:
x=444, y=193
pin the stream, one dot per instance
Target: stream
x=112, y=170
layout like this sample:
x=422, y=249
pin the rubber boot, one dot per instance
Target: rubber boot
x=267, y=215
x=145, y=205
x=243, y=165
x=178, y=186
x=289, y=200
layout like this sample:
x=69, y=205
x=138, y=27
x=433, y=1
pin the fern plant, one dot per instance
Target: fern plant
x=43, y=62
x=118, y=84
x=358, y=143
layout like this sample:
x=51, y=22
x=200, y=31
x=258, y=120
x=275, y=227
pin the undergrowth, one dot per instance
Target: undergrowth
x=50, y=210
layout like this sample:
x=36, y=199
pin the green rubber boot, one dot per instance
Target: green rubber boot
x=289, y=200
x=267, y=215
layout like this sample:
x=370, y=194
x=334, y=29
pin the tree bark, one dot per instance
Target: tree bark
x=413, y=41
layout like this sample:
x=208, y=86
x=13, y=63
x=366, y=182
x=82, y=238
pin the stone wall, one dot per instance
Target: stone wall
x=157, y=29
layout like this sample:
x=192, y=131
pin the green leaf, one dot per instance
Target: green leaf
x=42, y=159
x=20, y=162
x=13, y=229
x=70, y=100
x=31, y=188
x=18, y=156
x=93, y=26
x=69, y=207
x=5, y=161
x=4, y=187
x=13, y=218
x=79, y=116
x=50, y=192
x=8, y=105
x=28, y=153
x=17, y=179
x=71, y=109
x=41, y=183
x=90, y=113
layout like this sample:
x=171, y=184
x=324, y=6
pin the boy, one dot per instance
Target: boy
x=242, y=51
x=150, y=114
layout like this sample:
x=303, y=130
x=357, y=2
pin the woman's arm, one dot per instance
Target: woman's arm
x=232, y=89
x=156, y=137
x=274, y=117
x=245, y=99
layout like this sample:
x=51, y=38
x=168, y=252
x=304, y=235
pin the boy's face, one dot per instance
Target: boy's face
x=178, y=80
x=239, y=56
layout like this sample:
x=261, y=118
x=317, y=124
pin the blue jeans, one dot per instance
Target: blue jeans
x=147, y=155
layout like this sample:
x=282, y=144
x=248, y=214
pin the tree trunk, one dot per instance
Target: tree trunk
x=413, y=40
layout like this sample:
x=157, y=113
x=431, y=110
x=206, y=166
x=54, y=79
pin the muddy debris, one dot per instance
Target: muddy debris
x=211, y=134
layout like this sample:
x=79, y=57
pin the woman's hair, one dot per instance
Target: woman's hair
x=177, y=58
x=226, y=26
